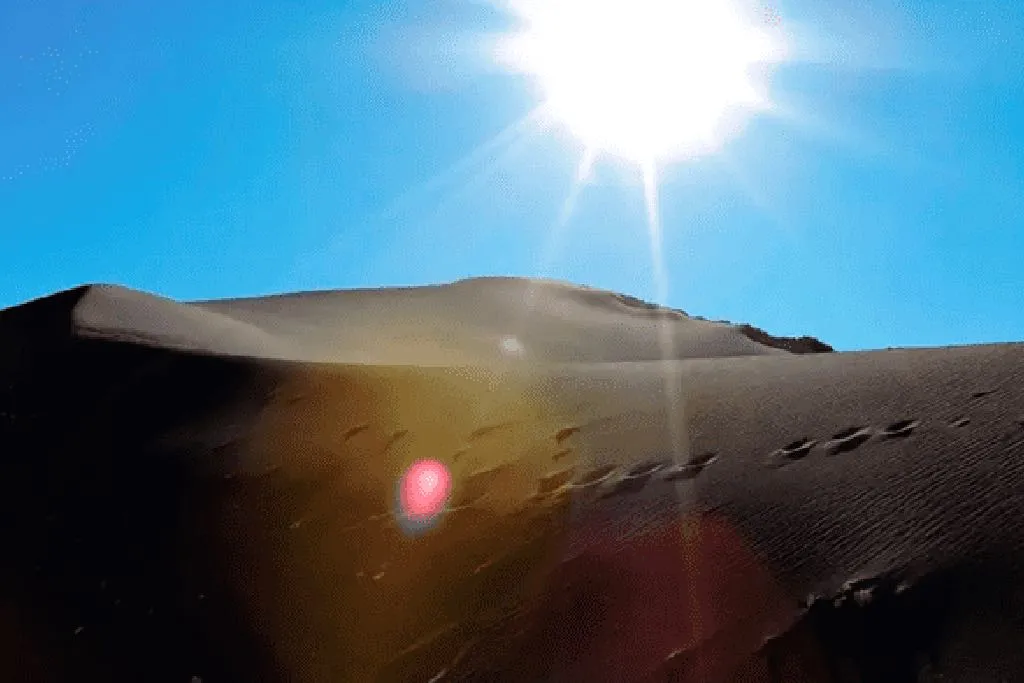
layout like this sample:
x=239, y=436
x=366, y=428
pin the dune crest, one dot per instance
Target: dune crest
x=469, y=321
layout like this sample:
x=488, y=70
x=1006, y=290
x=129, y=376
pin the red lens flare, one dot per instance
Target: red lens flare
x=424, y=490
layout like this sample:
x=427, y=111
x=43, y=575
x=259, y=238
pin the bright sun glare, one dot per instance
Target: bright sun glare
x=645, y=80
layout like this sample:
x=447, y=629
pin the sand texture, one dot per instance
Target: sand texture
x=207, y=492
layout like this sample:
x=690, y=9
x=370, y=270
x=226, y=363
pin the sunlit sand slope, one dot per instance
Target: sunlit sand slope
x=176, y=507
x=481, y=320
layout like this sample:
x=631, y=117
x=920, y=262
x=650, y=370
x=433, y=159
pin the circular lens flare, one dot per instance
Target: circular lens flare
x=424, y=490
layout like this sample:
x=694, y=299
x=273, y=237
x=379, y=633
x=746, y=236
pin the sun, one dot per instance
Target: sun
x=646, y=80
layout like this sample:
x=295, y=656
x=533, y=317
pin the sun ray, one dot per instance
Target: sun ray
x=816, y=127
x=853, y=140
x=556, y=235
x=666, y=339
x=469, y=165
x=559, y=229
x=472, y=184
x=759, y=199
x=651, y=206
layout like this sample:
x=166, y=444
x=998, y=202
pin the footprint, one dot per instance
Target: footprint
x=561, y=454
x=681, y=472
x=594, y=477
x=847, y=440
x=626, y=485
x=962, y=422
x=555, y=497
x=395, y=438
x=645, y=469
x=481, y=432
x=635, y=478
x=689, y=470
x=901, y=429
x=565, y=432
x=479, y=484
x=704, y=459
x=847, y=433
x=554, y=480
x=796, y=450
x=352, y=431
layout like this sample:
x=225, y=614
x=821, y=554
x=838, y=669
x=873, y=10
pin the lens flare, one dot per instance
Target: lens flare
x=424, y=490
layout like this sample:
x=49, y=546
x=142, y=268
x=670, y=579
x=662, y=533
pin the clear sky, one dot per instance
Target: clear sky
x=217, y=149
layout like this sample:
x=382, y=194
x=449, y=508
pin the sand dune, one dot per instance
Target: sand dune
x=480, y=320
x=208, y=490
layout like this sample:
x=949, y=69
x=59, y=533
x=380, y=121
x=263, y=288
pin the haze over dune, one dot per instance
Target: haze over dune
x=483, y=319
x=211, y=490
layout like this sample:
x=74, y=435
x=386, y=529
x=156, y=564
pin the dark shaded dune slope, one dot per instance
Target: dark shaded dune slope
x=102, y=535
x=174, y=508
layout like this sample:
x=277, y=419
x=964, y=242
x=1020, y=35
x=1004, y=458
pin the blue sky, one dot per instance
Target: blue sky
x=206, y=150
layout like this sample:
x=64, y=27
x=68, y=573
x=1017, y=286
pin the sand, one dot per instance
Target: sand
x=207, y=491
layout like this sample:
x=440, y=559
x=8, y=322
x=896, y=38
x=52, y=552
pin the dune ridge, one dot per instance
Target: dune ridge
x=466, y=321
